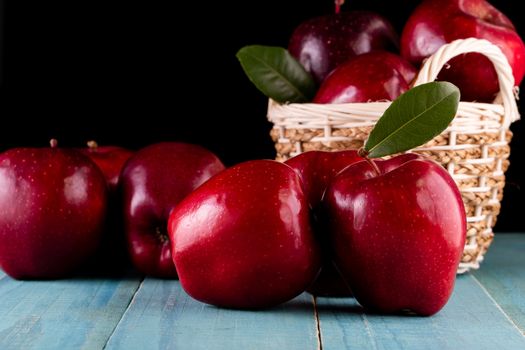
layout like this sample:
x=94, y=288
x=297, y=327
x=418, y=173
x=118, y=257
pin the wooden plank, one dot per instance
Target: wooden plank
x=65, y=314
x=162, y=316
x=470, y=320
x=502, y=274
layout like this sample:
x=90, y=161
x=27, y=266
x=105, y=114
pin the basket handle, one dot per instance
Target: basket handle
x=433, y=65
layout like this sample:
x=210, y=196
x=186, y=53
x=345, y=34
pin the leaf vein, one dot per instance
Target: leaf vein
x=290, y=84
x=399, y=129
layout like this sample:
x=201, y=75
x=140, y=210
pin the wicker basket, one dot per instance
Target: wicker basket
x=474, y=148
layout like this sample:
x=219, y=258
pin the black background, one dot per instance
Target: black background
x=134, y=73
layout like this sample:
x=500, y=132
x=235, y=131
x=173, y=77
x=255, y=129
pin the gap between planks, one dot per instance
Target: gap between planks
x=317, y=324
x=497, y=305
x=125, y=311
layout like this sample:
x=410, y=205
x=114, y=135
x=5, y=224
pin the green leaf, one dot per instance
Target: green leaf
x=277, y=74
x=413, y=119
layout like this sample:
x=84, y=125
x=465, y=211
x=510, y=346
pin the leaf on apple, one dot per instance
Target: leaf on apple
x=414, y=118
x=277, y=74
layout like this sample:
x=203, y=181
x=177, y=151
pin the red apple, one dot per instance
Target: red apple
x=437, y=22
x=112, y=255
x=110, y=159
x=316, y=170
x=323, y=43
x=373, y=76
x=52, y=211
x=398, y=235
x=153, y=182
x=243, y=239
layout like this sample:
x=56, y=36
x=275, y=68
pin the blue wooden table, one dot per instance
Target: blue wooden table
x=487, y=311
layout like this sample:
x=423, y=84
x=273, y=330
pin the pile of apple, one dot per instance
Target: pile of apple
x=253, y=235
x=356, y=56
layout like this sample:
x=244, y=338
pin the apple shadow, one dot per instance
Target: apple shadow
x=98, y=274
x=78, y=278
x=355, y=308
x=299, y=305
x=347, y=308
x=90, y=273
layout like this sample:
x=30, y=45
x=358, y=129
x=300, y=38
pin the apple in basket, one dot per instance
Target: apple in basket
x=323, y=43
x=372, y=76
x=437, y=22
x=52, y=211
x=153, y=182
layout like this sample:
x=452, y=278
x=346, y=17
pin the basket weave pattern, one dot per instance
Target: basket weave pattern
x=474, y=148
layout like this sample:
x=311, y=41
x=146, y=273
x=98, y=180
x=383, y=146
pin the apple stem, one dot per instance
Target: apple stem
x=373, y=165
x=53, y=143
x=338, y=4
x=362, y=152
x=92, y=144
x=161, y=236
